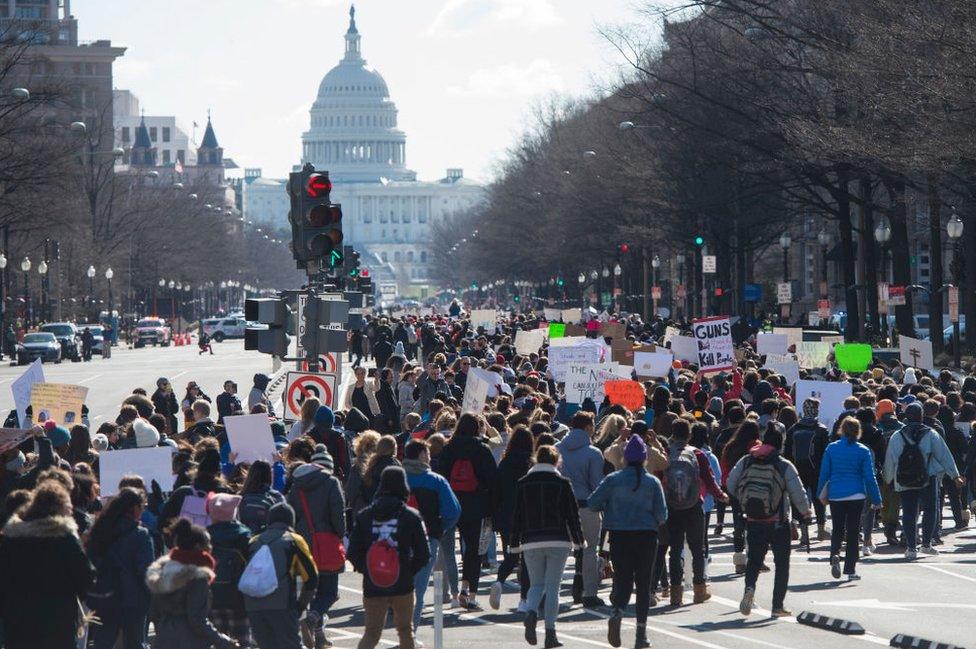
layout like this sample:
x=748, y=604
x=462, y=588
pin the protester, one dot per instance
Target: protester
x=229, y=538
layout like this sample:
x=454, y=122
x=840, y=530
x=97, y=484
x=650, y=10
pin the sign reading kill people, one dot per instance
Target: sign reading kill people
x=715, y=348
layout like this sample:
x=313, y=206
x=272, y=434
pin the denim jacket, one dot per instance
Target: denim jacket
x=625, y=508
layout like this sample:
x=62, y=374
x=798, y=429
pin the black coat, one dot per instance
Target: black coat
x=510, y=470
x=45, y=572
x=388, y=419
x=475, y=505
x=545, y=510
x=411, y=542
x=127, y=559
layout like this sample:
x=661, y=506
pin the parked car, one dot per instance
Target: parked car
x=947, y=332
x=43, y=345
x=67, y=335
x=221, y=329
x=97, y=331
x=152, y=331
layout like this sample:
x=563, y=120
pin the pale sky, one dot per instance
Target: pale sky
x=464, y=74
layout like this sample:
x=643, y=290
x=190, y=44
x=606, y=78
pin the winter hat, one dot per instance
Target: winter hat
x=811, y=408
x=16, y=462
x=282, y=513
x=910, y=378
x=325, y=416
x=914, y=412
x=277, y=429
x=715, y=406
x=356, y=421
x=885, y=406
x=500, y=359
x=210, y=462
x=399, y=350
x=100, y=442
x=636, y=450
x=393, y=482
x=58, y=435
x=145, y=433
x=161, y=381
x=222, y=507
x=322, y=457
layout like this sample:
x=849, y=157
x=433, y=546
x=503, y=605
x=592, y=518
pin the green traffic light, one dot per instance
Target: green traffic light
x=517, y=299
x=561, y=282
x=699, y=241
x=335, y=259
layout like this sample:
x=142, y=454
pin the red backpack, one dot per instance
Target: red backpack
x=463, y=478
x=382, y=558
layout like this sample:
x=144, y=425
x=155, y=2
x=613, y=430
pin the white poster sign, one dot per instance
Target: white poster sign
x=154, y=463
x=572, y=316
x=561, y=357
x=785, y=365
x=475, y=393
x=552, y=315
x=916, y=353
x=656, y=364
x=709, y=264
x=529, y=342
x=771, y=343
x=831, y=395
x=715, y=349
x=21, y=389
x=250, y=437
x=483, y=318
x=669, y=333
x=784, y=293
x=685, y=348
x=811, y=355
x=794, y=335
x=586, y=381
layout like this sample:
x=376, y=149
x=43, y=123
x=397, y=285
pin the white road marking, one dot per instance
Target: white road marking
x=946, y=572
x=90, y=378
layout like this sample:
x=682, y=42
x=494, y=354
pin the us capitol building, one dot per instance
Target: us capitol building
x=387, y=212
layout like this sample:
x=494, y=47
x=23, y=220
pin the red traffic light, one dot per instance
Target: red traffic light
x=364, y=272
x=318, y=186
x=624, y=248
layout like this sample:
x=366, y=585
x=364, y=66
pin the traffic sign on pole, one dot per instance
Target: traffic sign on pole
x=709, y=264
x=302, y=385
x=953, y=304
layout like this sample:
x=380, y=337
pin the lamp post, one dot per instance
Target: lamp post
x=617, y=272
x=882, y=234
x=25, y=266
x=109, y=274
x=824, y=239
x=785, y=242
x=680, y=259
x=3, y=303
x=954, y=229
x=42, y=271
x=655, y=264
x=91, y=286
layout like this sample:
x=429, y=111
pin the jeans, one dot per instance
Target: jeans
x=868, y=516
x=590, y=521
x=738, y=528
x=633, y=554
x=911, y=501
x=956, y=495
x=763, y=536
x=449, y=557
x=375, y=611
x=421, y=580
x=470, y=559
x=130, y=623
x=545, y=567
x=686, y=524
x=326, y=594
x=846, y=515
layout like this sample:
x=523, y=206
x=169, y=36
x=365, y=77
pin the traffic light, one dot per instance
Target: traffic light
x=623, y=248
x=316, y=223
x=321, y=315
x=271, y=338
x=351, y=264
x=560, y=282
x=699, y=240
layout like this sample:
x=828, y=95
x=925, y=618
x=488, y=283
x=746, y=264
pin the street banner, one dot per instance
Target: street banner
x=916, y=353
x=529, y=342
x=629, y=394
x=785, y=365
x=475, y=393
x=709, y=264
x=653, y=364
x=794, y=335
x=812, y=354
x=61, y=402
x=484, y=318
x=715, y=347
x=896, y=295
x=784, y=293
x=557, y=330
x=21, y=388
x=771, y=343
x=250, y=437
x=953, y=304
x=685, y=348
x=561, y=357
x=11, y=437
x=853, y=357
x=586, y=380
x=831, y=395
x=551, y=315
x=301, y=385
x=154, y=463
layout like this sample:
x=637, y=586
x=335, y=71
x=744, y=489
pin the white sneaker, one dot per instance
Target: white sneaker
x=911, y=555
x=416, y=642
x=928, y=550
x=495, y=595
x=455, y=603
x=867, y=551
x=523, y=606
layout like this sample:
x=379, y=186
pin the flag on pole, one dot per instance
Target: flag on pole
x=178, y=167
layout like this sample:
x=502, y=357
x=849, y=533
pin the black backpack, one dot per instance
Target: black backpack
x=913, y=470
x=230, y=566
x=253, y=510
x=803, y=447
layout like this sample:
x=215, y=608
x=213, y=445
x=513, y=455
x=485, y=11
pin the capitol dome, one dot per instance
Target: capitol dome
x=353, y=130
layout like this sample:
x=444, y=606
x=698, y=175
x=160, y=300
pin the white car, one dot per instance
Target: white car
x=221, y=329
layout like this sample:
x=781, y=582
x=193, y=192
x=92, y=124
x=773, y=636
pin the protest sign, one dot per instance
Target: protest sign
x=812, y=354
x=685, y=348
x=562, y=356
x=21, y=388
x=586, y=380
x=771, y=343
x=154, y=463
x=572, y=315
x=785, y=365
x=529, y=342
x=831, y=397
x=11, y=437
x=475, y=393
x=552, y=314
x=573, y=329
x=832, y=340
x=613, y=330
x=669, y=333
x=58, y=401
x=793, y=335
x=556, y=330
x=494, y=380
x=653, y=364
x=916, y=353
x=624, y=352
x=715, y=348
x=629, y=394
x=853, y=357
x=483, y=318
x=250, y=437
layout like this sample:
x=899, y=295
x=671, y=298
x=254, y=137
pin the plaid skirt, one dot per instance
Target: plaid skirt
x=232, y=623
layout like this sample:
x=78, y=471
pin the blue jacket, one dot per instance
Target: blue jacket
x=848, y=469
x=582, y=462
x=435, y=499
x=625, y=509
x=708, y=503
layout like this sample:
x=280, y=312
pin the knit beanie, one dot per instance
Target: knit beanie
x=324, y=416
x=885, y=406
x=811, y=408
x=99, y=442
x=210, y=462
x=914, y=412
x=393, y=482
x=145, y=433
x=636, y=450
x=223, y=507
x=58, y=435
x=322, y=458
x=282, y=513
x=910, y=378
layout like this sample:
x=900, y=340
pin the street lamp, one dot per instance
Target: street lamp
x=617, y=270
x=25, y=266
x=22, y=94
x=954, y=229
x=655, y=264
x=109, y=274
x=3, y=304
x=605, y=273
x=594, y=274
x=785, y=242
x=42, y=271
x=824, y=239
x=882, y=234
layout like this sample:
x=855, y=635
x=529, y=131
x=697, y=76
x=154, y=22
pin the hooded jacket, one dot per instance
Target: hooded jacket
x=433, y=498
x=795, y=494
x=627, y=505
x=44, y=571
x=389, y=516
x=326, y=503
x=937, y=456
x=292, y=560
x=181, y=605
x=848, y=467
x=335, y=443
x=581, y=462
x=799, y=447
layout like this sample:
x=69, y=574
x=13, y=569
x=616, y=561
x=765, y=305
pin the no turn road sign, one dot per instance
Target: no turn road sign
x=302, y=385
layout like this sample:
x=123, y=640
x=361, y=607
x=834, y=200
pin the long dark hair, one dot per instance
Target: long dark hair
x=638, y=473
x=521, y=441
x=259, y=478
x=103, y=530
x=79, y=446
x=742, y=440
x=186, y=535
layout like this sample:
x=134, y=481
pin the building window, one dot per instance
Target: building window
x=397, y=256
x=410, y=255
x=165, y=134
x=181, y=156
x=406, y=216
x=166, y=159
x=393, y=217
x=125, y=133
x=422, y=217
x=153, y=133
x=384, y=218
x=423, y=257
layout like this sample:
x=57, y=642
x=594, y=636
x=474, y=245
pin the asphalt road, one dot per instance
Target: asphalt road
x=931, y=598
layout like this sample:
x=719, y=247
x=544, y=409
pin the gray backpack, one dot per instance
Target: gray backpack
x=682, y=479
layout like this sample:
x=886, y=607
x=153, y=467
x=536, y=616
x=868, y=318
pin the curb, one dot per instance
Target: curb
x=835, y=624
x=913, y=642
